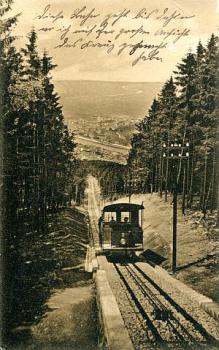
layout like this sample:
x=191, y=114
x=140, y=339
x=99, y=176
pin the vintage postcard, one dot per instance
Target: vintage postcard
x=109, y=174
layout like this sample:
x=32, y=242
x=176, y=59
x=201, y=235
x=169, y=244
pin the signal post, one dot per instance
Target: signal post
x=175, y=151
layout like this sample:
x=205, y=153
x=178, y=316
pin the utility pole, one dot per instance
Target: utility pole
x=129, y=185
x=174, y=227
x=175, y=151
x=130, y=191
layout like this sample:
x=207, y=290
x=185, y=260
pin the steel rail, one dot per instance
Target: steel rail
x=139, y=278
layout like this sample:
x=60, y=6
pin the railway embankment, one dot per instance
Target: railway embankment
x=115, y=336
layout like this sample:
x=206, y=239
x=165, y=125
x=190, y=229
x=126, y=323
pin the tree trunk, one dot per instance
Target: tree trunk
x=161, y=175
x=207, y=199
x=166, y=179
x=204, y=184
x=167, y=166
x=44, y=176
x=184, y=192
x=156, y=178
x=187, y=182
x=190, y=195
x=214, y=183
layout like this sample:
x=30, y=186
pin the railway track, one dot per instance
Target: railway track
x=156, y=315
x=162, y=323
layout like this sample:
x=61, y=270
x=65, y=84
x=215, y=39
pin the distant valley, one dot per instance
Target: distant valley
x=104, y=111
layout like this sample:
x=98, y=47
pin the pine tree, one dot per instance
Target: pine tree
x=185, y=79
x=169, y=124
x=6, y=40
x=208, y=122
x=59, y=143
x=31, y=138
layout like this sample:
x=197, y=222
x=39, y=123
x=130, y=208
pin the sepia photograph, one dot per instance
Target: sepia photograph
x=109, y=164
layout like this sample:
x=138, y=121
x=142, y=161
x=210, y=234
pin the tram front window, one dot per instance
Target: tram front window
x=110, y=217
x=125, y=217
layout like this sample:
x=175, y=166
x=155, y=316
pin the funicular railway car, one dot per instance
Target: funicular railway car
x=120, y=228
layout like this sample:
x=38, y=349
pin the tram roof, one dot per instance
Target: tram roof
x=122, y=207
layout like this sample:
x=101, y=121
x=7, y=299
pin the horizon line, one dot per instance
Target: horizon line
x=109, y=81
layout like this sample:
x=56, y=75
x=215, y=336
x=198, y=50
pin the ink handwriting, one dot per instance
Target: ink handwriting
x=144, y=35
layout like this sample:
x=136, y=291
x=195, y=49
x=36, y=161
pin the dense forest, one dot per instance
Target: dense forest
x=182, y=119
x=37, y=155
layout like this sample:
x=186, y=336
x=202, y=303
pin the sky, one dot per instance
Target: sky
x=75, y=63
